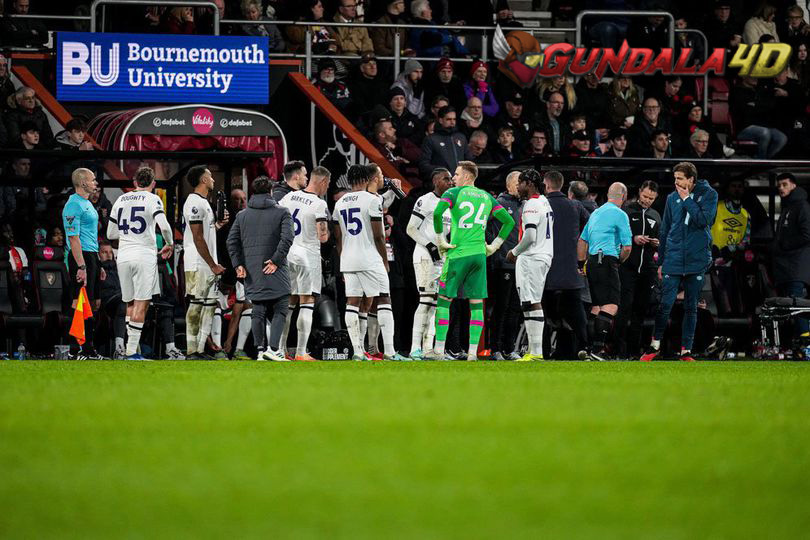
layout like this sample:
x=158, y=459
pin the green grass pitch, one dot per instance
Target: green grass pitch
x=410, y=450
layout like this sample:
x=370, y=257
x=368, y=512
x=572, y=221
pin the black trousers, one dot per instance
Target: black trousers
x=637, y=289
x=276, y=311
x=505, y=317
x=566, y=306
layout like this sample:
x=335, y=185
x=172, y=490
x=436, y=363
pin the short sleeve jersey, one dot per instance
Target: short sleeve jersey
x=423, y=209
x=355, y=212
x=470, y=209
x=80, y=218
x=135, y=214
x=197, y=210
x=537, y=214
x=307, y=210
x=608, y=229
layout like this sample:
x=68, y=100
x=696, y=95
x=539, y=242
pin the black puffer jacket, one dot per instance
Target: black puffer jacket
x=261, y=232
x=791, y=247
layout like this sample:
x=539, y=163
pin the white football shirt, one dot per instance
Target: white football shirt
x=425, y=205
x=537, y=213
x=355, y=212
x=135, y=213
x=307, y=210
x=197, y=210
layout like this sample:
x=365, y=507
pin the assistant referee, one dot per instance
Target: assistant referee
x=605, y=243
x=80, y=220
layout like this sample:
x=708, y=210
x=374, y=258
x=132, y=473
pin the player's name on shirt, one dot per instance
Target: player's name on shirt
x=295, y=197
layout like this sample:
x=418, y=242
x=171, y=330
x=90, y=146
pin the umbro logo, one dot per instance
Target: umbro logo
x=732, y=222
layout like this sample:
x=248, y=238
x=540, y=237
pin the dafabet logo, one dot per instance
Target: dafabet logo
x=521, y=58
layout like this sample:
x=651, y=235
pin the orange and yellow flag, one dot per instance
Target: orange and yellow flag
x=82, y=312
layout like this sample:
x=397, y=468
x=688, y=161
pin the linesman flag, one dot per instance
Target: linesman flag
x=82, y=312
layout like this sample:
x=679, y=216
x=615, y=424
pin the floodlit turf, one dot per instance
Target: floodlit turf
x=411, y=450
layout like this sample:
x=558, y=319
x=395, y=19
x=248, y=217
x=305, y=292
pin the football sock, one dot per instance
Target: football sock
x=373, y=333
x=420, y=320
x=119, y=342
x=442, y=324
x=476, y=327
x=286, y=332
x=244, y=330
x=206, y=323
x=386, y=317
x=134, y=330
x=656, y=344
x=193, y=325
x=535, y=322
x=601, y=329
x=216, y=327
x=430, y=324
x=352, y=316
x=363, y=328
x=304, y=326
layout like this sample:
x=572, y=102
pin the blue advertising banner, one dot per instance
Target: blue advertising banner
x=160, y=68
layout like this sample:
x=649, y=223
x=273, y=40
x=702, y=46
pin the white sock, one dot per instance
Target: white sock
x=363, y=318
x=373, y=333
x=286, y=333
x=244, y=330
x=304, y=326
x=386, y=317
x=352, y=317
x=535, y=322
x=420, y=319
x=206, y=322
x=134, y=330
x=655, y=344
x=119, y=342
x=216, y=327
x=430, y=335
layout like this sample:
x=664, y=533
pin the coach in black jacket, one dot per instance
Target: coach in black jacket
x=639, y=272
x=791, y=246
x=563, y=282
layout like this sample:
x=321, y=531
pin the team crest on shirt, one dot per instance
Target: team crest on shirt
x=50, y=277
x=194, y=210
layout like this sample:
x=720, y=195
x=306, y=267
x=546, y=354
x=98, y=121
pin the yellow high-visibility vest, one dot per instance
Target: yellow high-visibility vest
x=729, y=228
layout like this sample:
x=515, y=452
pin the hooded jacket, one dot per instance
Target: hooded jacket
x=415, y=103
x=791, y=247
x=261, y=232
x=686, y=238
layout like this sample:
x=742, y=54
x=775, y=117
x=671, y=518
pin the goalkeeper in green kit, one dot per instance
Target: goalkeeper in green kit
x=465, y=268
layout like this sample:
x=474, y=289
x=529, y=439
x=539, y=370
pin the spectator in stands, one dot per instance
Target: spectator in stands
x=477, y=147
x=383, y=38
x=351, y=39
x=437, y=103
x=753, y=110
x=445, y=147
x=473, y=119
x=29, y=136
x=334, y=90
x=580, y=145
x=790, y=115
x=6, y=89
x=699, y=145
x=178, y=20
x=444, y=82
x=669, y=98
x=796, y=31
x=25, y=108
x=432, y=42
x=624, y=101
x=618, y=143
x=505, y=17
x=688, y=40
x=367, y=88
x=760, y=24
x=638, y=273
x=22, y=32
x=645, y=124
x=576, y=122
x=578, y=191
x=324, y=38
x=649, y=32
x=410, y=81
x=73, y=136
x=800, y=68
x=560, y=85
x=512, y=116
x=503, y=151
x=691, y=121
x=593, y=98
x=538, y=144
x=722, y=30
x=252, y=11
x=56, y=237
x=608, y=31
x=550, y=121
x=562, y=298
x=791, y=245
x=295, y=179
x=659, y=145
x=479, y=87
x=402, y=153
x=406, y=123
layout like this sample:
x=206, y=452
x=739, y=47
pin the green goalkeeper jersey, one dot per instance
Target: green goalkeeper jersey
x=470, y=209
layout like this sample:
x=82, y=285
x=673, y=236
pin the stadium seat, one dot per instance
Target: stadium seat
x=50, y=280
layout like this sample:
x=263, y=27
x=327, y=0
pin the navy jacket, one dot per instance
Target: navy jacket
x=686, y=238
x=563, y=273
x=791, y=247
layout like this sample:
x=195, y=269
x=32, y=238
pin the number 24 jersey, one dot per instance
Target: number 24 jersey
x=470, y=209
x=355, y=212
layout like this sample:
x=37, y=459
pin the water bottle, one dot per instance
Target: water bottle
x=20, y=354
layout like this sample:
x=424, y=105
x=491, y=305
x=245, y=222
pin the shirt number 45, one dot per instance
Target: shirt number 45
x=126, y=226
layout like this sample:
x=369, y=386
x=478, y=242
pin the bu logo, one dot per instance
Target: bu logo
x=79, y=64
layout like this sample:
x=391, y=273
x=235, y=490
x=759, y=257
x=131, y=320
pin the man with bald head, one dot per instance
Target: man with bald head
x=605, y=243
x=80, y=220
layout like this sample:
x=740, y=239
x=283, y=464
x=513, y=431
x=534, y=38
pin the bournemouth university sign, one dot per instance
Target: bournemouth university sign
x=161, y=68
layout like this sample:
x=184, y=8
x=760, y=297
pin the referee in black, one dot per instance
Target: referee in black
x=605, y=243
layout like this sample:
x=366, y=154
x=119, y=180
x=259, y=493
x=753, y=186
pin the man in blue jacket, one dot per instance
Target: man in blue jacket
x=684, y=254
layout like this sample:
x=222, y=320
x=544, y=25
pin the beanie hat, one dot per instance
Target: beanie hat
x=410, y=66
x=395, y=91
x=443, y=63
x=477, y=64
